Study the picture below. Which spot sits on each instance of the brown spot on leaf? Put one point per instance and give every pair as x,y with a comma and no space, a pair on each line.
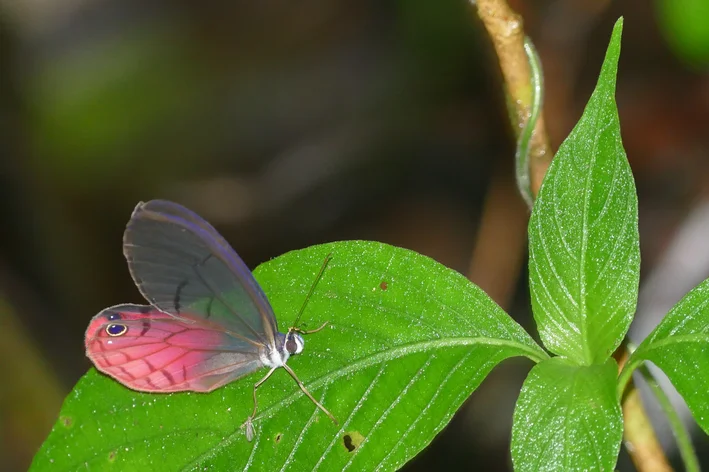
278,437
67,421
384,285
352,440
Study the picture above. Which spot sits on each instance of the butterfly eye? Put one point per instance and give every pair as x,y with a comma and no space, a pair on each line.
294,343
116,329
291,346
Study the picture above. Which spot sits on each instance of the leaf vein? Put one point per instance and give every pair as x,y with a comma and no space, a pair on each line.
299,440
346,423
423,412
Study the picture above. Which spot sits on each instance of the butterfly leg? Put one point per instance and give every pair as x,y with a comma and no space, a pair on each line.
249,425
305,391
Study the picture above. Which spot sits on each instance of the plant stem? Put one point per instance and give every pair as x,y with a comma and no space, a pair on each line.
625,377
525,136
640,440
505,29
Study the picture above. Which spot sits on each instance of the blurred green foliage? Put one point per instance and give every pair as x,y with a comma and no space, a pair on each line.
95,108
685,24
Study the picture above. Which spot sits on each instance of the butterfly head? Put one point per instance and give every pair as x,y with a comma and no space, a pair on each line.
294,342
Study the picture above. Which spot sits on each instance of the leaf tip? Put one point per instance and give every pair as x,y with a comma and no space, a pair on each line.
618,27
610,64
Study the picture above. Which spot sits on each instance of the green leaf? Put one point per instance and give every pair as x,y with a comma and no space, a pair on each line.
567,418
584,259
109,99
680,347
408,341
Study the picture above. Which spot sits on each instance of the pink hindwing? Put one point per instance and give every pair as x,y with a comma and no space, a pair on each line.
151,351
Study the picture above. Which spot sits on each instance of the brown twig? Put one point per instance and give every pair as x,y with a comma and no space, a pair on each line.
640,439
499,250
505,28
506,32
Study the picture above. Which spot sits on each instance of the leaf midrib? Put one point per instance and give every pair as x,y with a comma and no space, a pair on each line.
532,353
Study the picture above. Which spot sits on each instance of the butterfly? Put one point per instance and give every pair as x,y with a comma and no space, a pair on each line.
208,322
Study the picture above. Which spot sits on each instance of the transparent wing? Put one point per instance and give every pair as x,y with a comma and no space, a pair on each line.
183,267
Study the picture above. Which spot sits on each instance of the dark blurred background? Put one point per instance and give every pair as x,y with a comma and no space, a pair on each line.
288,124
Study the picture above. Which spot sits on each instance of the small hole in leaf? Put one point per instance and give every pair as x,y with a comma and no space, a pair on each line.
67,421
347,439
278,438
384,285
112,456
352,440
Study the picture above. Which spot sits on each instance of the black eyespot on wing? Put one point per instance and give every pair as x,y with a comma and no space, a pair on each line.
115,329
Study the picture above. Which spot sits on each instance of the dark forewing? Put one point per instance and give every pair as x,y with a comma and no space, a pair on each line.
185,268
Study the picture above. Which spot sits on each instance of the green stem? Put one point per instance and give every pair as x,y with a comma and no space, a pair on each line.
625,375
525,136
684,441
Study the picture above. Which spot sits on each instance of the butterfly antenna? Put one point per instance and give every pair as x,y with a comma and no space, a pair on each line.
312,290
